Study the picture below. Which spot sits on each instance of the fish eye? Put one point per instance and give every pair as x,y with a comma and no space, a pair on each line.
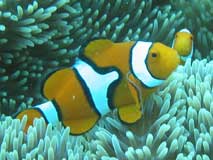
191,37
154,55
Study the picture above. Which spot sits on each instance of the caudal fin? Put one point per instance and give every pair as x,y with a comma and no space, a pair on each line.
31,115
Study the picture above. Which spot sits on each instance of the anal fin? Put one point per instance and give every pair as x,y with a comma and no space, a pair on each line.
80,126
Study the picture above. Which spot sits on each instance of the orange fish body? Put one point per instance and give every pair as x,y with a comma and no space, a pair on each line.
108,75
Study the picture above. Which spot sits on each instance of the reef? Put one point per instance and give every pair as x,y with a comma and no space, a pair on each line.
37,37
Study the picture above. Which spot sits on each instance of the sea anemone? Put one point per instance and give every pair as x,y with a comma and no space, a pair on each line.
177,124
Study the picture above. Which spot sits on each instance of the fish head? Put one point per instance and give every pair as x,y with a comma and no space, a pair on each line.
183,43
162,60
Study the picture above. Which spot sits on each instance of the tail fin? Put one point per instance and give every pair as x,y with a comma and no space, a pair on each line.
31,115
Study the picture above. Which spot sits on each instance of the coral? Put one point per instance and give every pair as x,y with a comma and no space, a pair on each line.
198,17
38,37
177,124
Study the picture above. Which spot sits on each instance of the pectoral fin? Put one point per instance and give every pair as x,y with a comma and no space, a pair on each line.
136,91
132,113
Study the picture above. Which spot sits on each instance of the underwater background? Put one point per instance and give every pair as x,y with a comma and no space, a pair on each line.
40,36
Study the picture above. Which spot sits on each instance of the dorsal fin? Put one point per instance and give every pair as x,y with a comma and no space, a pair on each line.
97,46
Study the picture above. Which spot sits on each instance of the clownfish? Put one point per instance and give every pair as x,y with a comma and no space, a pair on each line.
183,43
106,76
